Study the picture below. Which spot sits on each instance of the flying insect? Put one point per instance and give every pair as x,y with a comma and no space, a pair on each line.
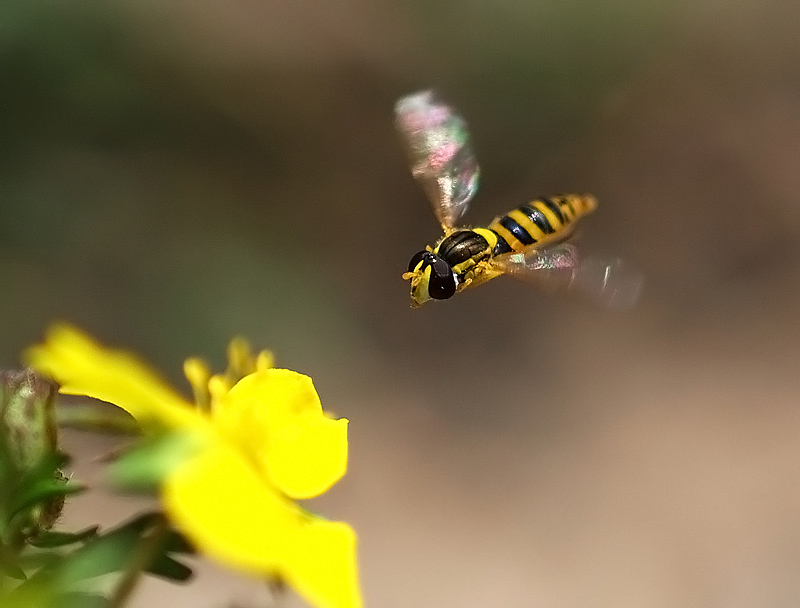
528,242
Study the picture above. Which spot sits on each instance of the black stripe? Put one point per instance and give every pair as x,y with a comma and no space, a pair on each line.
553,206
568,202
502,245
538,218
523,236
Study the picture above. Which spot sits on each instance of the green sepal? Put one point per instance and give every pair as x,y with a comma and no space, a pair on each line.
40,484
50,540
44,596
39,560
43,491
47,467
143,468
112,551
33,593
79,599
169,568
107,552
97,419
12,570
178,543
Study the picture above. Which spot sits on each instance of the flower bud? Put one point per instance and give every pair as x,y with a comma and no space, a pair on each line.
29,438
27,417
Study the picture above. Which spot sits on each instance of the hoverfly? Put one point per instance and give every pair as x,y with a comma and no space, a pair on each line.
527,243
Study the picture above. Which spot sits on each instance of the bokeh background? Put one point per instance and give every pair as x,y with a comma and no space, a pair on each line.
173,173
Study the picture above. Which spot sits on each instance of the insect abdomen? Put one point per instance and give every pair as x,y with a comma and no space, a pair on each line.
541,220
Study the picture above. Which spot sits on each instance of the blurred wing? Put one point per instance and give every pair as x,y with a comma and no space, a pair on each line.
441,159
609,281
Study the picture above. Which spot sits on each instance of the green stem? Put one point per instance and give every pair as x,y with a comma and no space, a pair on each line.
141,559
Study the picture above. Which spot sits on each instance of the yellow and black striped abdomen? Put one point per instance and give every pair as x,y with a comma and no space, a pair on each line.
543,220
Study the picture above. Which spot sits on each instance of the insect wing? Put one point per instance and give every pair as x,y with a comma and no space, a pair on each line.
609,281
440,155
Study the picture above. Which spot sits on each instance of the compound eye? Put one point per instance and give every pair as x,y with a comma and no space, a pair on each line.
442,284
418,257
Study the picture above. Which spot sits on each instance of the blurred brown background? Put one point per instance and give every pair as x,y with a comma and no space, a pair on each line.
173,173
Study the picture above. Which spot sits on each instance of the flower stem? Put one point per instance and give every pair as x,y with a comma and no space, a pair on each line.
140,560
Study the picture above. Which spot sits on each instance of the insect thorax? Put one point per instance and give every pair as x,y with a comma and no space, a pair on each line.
463,249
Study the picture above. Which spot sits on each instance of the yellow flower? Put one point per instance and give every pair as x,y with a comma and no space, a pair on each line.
263,441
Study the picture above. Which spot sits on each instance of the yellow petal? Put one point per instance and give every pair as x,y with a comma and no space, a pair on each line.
307,458
83,367
275,416
222,505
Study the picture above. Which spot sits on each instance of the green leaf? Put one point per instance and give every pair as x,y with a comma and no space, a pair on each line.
47,540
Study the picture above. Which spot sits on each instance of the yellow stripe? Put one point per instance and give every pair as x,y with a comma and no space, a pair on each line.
524,221
551,217
490,236
508,236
